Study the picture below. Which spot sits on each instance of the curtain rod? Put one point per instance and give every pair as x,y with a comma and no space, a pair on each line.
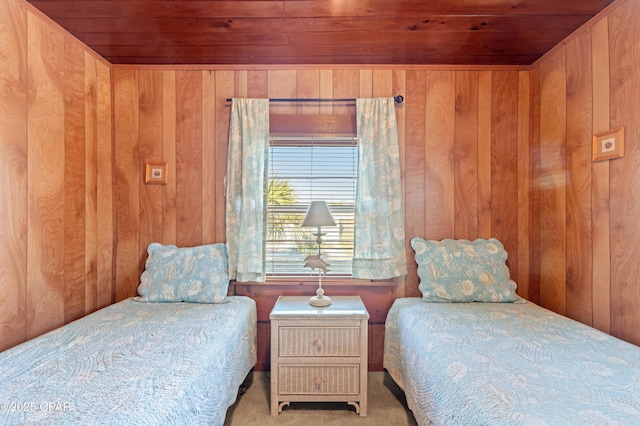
398,99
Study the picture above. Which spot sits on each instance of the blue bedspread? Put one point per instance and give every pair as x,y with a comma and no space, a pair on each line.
133,363
508,364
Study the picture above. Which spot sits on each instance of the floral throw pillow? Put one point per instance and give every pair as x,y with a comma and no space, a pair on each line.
192,274
464,271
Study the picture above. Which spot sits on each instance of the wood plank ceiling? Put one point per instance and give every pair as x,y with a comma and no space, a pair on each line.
479,32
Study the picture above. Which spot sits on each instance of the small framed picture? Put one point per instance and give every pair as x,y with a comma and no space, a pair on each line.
608,145
156,173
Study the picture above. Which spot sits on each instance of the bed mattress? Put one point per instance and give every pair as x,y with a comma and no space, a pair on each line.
508,364
133,363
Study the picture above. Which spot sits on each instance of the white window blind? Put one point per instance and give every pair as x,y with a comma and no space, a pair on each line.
301,170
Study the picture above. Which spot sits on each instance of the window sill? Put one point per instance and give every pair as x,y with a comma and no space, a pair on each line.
326,282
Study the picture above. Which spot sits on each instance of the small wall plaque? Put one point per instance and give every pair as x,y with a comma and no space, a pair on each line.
156,173
608,145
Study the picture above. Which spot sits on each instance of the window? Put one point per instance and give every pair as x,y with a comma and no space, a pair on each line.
301,170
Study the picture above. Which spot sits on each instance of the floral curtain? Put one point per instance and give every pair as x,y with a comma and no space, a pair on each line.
245,188
379,250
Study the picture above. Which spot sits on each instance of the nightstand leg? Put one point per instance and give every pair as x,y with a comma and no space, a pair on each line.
275,410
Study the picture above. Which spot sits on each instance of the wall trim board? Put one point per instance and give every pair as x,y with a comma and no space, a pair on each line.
357,67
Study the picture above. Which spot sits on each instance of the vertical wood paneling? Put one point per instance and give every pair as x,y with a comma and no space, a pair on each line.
624,38
240,83
308,87
504,162
518,119
13,173
105,185
466,155
151,203
439,161
382,83
485,79
366,83
579,132
257,84
127,182
45,127
91,184
282,84
534,273
74,183
326,90
208,157
553,183
169,218
414,177
346,84
188,158
596,227
399,86
224,90
53,119
37,258
524,182
601,291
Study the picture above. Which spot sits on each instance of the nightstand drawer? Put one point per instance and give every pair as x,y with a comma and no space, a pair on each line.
323,379
319,341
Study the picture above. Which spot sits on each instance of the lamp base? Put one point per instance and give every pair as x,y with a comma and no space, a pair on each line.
320,299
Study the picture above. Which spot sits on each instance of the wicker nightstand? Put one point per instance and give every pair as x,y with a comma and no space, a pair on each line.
319,353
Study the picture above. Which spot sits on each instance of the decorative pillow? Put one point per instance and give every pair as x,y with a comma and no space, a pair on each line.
464,271
192,274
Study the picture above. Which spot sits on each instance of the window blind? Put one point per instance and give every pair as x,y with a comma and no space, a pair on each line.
301,170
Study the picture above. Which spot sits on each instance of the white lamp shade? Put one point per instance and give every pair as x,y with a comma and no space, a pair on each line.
318,215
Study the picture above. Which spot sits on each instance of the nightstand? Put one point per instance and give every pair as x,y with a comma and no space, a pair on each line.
319,353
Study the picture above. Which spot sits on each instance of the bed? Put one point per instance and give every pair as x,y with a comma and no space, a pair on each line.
138,361
479,357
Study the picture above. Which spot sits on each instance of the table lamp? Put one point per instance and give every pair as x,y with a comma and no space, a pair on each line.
318,215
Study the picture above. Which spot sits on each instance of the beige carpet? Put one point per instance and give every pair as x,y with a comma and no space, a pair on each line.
387,407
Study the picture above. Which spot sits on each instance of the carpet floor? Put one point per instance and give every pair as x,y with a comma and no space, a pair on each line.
386,406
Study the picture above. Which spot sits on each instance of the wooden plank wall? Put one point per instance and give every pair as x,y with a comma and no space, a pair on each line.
587,215
485,152
56,218
465,159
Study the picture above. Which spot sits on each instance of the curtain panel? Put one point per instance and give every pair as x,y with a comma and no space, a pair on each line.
246,188
379,248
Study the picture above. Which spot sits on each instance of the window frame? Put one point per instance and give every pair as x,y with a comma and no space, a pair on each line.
320,140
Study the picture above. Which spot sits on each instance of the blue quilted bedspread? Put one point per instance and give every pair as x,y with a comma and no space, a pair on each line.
509,364
133,363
